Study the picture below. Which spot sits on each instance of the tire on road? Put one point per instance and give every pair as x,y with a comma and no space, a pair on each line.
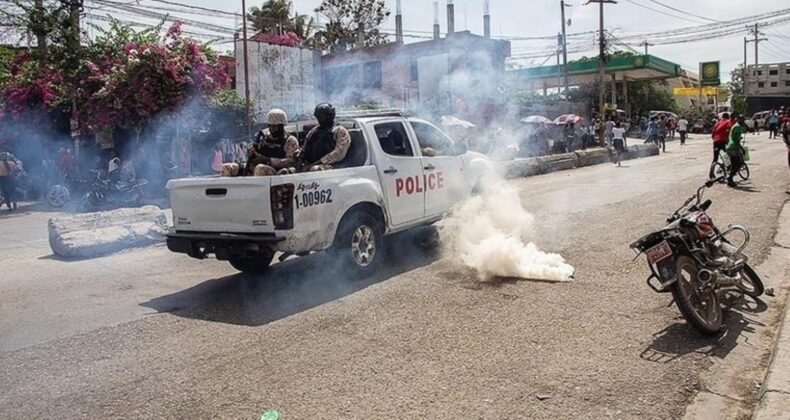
258,264
359,243
684,291
749,282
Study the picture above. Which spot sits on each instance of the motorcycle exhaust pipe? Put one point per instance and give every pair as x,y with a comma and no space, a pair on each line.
706,276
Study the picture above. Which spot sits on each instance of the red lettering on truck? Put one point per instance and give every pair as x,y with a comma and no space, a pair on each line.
413,184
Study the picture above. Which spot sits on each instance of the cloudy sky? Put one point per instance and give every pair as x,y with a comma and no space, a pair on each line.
626,20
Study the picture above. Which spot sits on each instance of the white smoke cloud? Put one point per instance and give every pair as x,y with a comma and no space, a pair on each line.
491,232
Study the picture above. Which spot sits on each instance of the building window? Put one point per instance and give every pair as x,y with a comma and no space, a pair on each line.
415,71
787,71
372,75
759,72
773,72
774,84
340,79
787,82
760,84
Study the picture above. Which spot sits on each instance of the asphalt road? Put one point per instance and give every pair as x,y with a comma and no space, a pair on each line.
146,333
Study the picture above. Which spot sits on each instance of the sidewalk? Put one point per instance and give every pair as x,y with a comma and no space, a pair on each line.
775,399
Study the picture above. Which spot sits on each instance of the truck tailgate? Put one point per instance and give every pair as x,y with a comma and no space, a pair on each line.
221,204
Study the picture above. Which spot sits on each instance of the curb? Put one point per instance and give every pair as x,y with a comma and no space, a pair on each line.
774,397
524,167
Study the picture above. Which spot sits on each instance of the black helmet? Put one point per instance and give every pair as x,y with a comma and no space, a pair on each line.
324,112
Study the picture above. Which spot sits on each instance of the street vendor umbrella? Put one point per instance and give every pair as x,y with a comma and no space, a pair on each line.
536,119
450,121
565,118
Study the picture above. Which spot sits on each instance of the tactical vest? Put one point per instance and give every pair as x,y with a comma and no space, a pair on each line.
319,143
271,147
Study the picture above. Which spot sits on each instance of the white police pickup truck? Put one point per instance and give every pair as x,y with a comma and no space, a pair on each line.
386,184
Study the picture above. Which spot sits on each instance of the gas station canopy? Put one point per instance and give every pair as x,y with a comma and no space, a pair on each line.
639,67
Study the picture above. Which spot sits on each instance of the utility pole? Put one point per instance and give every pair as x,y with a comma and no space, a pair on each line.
246,67
756,41
646,44
41,36
743,72
602,53
564,47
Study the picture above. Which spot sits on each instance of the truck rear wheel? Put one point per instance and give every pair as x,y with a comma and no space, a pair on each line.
257,264
359,243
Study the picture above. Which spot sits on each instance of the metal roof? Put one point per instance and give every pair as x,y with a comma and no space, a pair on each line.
639,67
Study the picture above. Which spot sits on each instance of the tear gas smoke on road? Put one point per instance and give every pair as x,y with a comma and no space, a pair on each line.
491,233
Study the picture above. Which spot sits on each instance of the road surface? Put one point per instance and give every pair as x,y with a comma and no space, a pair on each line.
146,333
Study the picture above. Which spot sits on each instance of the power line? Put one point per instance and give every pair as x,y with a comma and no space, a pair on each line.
682,11
662,12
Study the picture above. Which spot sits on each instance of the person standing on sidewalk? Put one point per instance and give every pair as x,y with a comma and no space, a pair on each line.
9,165
720,136
683,127
735,149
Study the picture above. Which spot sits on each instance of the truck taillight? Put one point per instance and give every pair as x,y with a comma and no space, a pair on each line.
282,206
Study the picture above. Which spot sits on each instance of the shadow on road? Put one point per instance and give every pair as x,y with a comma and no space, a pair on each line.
292,286
680,339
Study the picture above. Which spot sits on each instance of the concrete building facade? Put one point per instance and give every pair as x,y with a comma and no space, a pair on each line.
768,80
459,74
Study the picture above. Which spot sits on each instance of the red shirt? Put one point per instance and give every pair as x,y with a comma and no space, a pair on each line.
721,131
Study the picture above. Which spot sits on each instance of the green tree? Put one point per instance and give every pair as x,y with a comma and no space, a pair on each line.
276,17
273,17
345,17
736,80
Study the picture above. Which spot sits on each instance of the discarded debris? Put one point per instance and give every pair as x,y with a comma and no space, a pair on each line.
769,291
270,415
542,397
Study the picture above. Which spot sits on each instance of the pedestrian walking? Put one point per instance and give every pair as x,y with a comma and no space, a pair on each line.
651,132
773,125
9,165
662,132
720,136
618,142
608,127
735,149
671,127
683,126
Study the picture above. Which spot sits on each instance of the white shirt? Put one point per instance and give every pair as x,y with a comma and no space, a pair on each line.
683,125
618,133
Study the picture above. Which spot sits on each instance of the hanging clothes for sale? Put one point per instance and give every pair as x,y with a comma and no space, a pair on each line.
216,161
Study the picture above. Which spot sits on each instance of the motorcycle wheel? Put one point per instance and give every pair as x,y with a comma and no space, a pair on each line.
749,282
701,309
744,172
58,195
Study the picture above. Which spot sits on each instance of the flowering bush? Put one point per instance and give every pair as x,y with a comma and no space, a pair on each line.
288,39
31,85
125,79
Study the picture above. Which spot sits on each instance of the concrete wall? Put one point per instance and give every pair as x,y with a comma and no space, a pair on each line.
280,77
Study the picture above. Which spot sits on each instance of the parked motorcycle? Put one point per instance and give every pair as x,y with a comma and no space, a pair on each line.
691,258
105,192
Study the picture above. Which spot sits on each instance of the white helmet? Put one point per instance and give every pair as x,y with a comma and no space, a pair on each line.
276,116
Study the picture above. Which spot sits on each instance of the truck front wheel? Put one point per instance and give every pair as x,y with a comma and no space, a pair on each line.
358,244
257,264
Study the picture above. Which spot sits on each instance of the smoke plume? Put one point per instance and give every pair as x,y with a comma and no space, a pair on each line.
491,233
